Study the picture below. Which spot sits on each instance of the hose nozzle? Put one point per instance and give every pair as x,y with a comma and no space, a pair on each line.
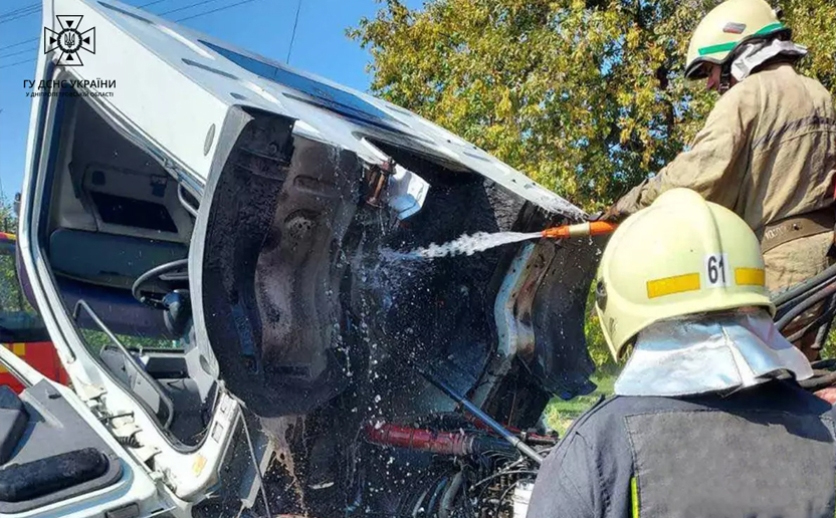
590,228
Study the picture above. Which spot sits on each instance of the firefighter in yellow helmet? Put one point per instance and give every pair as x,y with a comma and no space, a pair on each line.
768,148
708,418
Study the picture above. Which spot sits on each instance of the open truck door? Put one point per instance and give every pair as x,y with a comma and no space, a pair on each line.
207,230
58,459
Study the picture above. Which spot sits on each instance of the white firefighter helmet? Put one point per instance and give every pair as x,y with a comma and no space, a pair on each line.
725,28
680,256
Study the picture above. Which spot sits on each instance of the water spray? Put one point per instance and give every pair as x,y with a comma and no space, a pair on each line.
481,241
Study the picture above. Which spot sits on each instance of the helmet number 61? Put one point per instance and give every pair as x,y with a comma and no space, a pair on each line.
717,270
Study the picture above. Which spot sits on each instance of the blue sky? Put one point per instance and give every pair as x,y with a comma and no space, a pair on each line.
262,26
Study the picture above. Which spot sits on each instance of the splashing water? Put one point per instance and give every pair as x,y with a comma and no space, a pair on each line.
466,244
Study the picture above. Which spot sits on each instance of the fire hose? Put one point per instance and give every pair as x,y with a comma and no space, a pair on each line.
589,228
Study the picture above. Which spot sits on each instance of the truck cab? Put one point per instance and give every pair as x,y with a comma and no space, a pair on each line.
218,246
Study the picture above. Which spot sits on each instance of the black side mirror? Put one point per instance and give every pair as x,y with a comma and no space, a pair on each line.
178,311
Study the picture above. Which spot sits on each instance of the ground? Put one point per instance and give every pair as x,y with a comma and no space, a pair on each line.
560,413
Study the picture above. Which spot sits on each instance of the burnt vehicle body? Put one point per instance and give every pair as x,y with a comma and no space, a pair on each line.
218,252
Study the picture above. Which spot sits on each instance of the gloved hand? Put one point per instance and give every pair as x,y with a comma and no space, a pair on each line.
611,215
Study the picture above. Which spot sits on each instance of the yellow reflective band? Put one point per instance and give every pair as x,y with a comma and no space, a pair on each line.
749,276
671,285
3,370
634,497
198,465
19,350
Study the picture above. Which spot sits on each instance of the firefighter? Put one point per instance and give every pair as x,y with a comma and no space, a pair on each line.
707,417
768,148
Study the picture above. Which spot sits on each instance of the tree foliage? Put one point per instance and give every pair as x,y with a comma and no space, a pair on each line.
586,97
11,297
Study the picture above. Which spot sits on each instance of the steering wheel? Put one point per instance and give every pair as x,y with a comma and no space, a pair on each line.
166,277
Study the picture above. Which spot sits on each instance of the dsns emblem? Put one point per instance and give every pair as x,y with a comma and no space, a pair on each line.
70,41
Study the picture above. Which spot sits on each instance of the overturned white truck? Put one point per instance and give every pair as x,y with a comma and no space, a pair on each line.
208,235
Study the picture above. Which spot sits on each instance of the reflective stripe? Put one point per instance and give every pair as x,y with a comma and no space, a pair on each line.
198,465
634,497
672,285
713,49
19,350
749,277
725,47
771,27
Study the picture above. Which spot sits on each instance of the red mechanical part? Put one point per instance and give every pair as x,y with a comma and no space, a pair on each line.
445,443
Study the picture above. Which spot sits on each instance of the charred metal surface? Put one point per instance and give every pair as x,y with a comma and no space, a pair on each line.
561,363
298,276
432,312
312,312
270,256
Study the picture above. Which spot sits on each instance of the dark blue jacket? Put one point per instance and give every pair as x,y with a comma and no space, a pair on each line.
764,452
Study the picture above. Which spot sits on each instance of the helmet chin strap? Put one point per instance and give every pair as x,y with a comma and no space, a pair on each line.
725,79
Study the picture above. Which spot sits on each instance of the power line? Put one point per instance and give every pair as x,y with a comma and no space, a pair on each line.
293,33
151,3
36,7
18,44
186,7
17,63
214,10
11,18
18,10
18,53
24,42
224,8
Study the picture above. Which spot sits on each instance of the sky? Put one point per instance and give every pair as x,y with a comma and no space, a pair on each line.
261,26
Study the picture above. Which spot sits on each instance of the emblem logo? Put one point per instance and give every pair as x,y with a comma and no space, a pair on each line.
70,41
734,28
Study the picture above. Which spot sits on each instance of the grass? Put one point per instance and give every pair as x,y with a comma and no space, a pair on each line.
560,413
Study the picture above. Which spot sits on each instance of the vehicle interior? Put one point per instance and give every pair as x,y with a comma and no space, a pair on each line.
117,242
48,453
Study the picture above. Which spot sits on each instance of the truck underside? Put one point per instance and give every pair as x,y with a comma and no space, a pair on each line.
242,247
309,315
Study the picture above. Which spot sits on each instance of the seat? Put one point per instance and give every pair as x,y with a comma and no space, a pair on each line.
108,259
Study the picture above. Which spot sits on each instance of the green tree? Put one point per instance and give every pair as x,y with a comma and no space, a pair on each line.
8,216
586,97
11,296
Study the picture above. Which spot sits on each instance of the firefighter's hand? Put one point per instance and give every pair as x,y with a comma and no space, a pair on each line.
828,394
611,215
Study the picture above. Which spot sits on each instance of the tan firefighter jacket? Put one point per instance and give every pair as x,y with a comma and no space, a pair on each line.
767,152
